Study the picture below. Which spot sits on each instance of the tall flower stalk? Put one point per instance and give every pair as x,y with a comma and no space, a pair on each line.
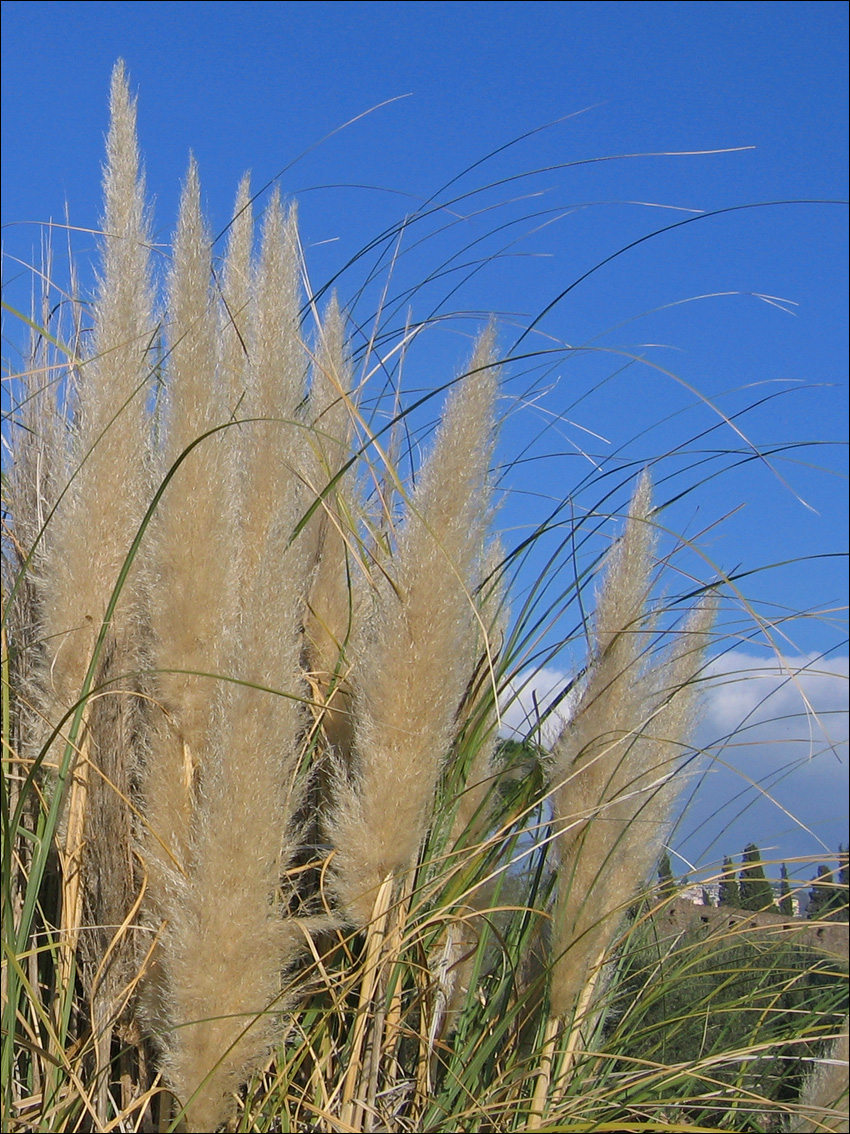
413,661
614,779
92,638
231,583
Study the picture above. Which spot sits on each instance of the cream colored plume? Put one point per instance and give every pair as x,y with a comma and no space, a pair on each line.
614,764
412,669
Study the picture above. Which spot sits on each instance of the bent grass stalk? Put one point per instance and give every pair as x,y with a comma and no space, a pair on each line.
252,742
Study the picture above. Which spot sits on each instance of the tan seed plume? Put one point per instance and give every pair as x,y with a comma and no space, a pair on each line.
85,547
412,670
615,761
226,941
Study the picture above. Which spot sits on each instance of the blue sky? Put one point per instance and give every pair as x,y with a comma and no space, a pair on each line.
668,355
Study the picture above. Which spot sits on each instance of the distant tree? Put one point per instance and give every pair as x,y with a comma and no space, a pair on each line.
666,882
729,893
786,905
706,897
756,891
829,893
842,906
820,894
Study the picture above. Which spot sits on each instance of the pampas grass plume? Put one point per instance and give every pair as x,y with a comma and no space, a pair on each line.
412,669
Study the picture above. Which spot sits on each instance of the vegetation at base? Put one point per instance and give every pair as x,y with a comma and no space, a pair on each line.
690,1001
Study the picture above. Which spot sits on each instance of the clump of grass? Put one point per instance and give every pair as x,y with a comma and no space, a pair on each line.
269,864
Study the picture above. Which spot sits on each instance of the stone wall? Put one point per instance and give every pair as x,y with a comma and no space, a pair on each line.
830,937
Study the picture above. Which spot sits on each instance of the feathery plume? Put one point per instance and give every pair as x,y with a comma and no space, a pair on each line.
614,774
93,527
615,760
37,467
193,531
235,309
227,940
186,772
412,671
85,547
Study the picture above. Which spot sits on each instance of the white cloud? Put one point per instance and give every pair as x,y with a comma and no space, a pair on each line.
775,734
805,696
529,696
748,701
797,703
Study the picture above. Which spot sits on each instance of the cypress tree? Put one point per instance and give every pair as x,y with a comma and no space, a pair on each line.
828,896
820,895
729,893
756,891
